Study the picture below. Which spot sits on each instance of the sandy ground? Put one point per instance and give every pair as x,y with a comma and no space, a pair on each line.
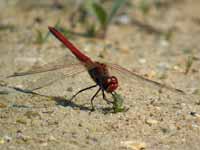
154,120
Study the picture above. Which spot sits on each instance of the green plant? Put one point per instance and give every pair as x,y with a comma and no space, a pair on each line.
65,31
105,18
41,38
7,27
118,103
189,64
144,6
89,8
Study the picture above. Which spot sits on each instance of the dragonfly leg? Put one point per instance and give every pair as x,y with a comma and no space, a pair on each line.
92,99
82,91
105,98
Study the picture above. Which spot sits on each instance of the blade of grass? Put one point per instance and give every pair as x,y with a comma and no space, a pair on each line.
48,33
117,4
144,6
39,38
100,13
189,64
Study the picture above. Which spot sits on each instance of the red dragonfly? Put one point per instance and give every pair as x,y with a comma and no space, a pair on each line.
99,72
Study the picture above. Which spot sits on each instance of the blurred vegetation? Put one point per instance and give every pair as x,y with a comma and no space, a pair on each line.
90,9
94,17
189,63
9,27
144,6
42,38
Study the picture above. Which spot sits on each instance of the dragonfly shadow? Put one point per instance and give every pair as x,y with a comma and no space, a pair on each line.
68,103
59,100
62,101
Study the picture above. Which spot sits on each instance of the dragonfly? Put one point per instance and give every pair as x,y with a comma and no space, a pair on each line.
99,72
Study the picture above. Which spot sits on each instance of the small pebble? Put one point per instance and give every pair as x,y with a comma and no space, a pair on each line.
52,138
195,114
151,74
123,19
164,43
70,89
134,145
32,114
177,68
21,121
2,105
19,134
44,144
142,60
2,141
151,122
7,138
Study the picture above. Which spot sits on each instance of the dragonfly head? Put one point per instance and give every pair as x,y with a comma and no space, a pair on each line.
111,84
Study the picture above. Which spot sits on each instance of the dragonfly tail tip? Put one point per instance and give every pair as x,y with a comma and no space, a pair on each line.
51,28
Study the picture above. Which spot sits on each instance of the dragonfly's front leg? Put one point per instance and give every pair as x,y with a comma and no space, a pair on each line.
82,91
105,98
92,99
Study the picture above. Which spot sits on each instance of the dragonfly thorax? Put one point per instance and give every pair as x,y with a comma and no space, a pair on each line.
100,75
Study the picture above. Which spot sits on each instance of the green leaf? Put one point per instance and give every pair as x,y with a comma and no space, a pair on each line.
117,4
39,38
100,13
118,103
144,6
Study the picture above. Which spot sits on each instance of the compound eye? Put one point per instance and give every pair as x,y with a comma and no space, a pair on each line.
112,84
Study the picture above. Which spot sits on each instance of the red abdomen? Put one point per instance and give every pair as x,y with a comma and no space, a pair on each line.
82,57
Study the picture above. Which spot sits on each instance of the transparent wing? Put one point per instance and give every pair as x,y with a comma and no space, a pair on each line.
137,77
60,63
54,77
51,72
